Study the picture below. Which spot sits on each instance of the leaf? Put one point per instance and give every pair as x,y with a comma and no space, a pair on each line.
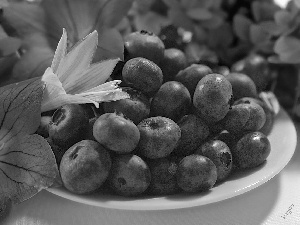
177,15
221,36
27,164
288,49
189,4
241,26
196,53
32,64
150,21
6,65
283,17
113,12
214,22
263,11
3,34
28,18
270,27
3,3
200,34
286,21
110,45
297,3
199,14
40,26
9,46
8,55
80,18
258,34
180,19
174,4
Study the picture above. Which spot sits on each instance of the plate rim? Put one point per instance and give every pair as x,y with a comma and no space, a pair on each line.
136,203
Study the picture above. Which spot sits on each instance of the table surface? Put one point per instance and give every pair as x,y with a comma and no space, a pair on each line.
275,202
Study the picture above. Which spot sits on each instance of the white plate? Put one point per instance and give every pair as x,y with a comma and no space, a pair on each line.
283,140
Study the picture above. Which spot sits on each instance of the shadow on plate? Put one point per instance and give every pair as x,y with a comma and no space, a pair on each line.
238,174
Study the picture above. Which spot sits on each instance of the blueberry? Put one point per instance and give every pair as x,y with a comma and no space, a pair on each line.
251,150
68,125
116,133
43,129
143,75
129,176
242,85
173,100
159,137
256,67
196,173
136,107
220,154
193,132
144,44
212,97
244,118
191,75
174,60
85,166
163,176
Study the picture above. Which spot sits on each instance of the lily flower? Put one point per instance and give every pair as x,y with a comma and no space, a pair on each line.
72,79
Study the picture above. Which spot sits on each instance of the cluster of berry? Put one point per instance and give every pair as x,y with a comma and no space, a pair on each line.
184,127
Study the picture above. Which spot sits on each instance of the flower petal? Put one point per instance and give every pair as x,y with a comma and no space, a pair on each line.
64,99
78,59
53,84
106,92
60,52
93,76
108,86
104,96
53,89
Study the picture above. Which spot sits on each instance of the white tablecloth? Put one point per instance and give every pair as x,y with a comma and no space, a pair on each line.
275,202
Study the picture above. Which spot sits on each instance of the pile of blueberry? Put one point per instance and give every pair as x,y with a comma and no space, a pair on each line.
184,127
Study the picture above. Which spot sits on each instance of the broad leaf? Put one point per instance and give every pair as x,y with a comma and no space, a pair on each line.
8,54
26,18
150,21
221,36
180,19
110,45
80,18
174,4
199,14
46,21
199,4
214,22
258,34
271,27
9,46
263,11
3,3
27,164
178,16
283,18
241,26
288,49
32,64
297,3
